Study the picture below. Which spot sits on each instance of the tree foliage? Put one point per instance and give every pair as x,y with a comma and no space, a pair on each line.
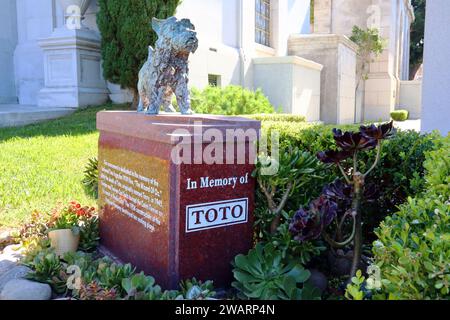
126,32
417,34
370,45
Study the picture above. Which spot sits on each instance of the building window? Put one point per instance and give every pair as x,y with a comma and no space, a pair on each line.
263,22
214,80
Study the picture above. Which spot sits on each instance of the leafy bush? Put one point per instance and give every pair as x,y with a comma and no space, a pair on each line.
102,279
400,115
126,35
413,249
89,234
262,275
194,289
81,219
277,117
298,174
90,180
93,291
48,269
141,287
399,175
341,201
231,100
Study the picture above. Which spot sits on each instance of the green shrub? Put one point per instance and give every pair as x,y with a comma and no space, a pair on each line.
126,34
400,115
90,180
47,268
262,275
193,289
277,117
231,100
413,249
399,175
141,287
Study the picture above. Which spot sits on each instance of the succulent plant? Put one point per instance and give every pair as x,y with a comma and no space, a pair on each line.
340,201
308,224
383,131
332,156
262,275
353,141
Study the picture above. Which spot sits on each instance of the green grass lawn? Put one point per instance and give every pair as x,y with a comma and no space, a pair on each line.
42,164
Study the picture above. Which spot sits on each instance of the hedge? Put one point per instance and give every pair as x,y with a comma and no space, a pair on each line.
413,249
400,115
399,175
231,100
277,117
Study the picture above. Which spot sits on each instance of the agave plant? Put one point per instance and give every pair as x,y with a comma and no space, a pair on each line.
341,200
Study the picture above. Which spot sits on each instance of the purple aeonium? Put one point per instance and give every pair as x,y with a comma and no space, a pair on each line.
332,156
338,190
383,131
353,141
309,224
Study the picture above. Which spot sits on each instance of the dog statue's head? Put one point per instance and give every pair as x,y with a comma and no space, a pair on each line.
179,35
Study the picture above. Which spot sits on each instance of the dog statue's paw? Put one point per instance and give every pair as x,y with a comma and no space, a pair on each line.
188,111
152,111
170,108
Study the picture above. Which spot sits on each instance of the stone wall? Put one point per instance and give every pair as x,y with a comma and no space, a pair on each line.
393,18
291,83
337,54
411,98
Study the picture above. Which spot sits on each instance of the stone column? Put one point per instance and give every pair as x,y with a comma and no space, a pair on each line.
337,54
436,80
8,42
72,63
34,21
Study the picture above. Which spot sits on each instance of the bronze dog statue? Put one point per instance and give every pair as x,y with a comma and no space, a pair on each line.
166,70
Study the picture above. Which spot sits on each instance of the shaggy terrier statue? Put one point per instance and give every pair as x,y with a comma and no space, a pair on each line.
166,71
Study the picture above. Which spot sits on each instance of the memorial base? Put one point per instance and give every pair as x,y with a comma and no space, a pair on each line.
173,220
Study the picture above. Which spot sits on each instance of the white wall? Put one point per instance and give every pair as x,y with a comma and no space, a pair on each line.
34,21
216,23
411,98
436,79
291,83
227,39
8,41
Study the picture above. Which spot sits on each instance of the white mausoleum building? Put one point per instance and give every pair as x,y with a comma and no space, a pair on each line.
304,68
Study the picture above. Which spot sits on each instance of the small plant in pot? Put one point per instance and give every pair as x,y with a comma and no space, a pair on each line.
65,225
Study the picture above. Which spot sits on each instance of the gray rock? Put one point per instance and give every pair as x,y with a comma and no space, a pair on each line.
17,272
5,237
6,265
19,289
12,253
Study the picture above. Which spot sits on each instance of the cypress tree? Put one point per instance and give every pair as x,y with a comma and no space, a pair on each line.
126,32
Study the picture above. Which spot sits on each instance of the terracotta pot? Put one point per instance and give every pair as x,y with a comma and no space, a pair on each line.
64,241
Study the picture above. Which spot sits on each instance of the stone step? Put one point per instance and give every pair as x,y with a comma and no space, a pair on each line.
15,115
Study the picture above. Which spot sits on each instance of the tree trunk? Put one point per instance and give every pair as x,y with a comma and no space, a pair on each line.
135,102
356,207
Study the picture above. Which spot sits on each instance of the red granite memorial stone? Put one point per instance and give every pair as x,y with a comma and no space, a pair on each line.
176,218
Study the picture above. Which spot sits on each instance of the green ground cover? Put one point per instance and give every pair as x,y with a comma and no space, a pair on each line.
42,164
